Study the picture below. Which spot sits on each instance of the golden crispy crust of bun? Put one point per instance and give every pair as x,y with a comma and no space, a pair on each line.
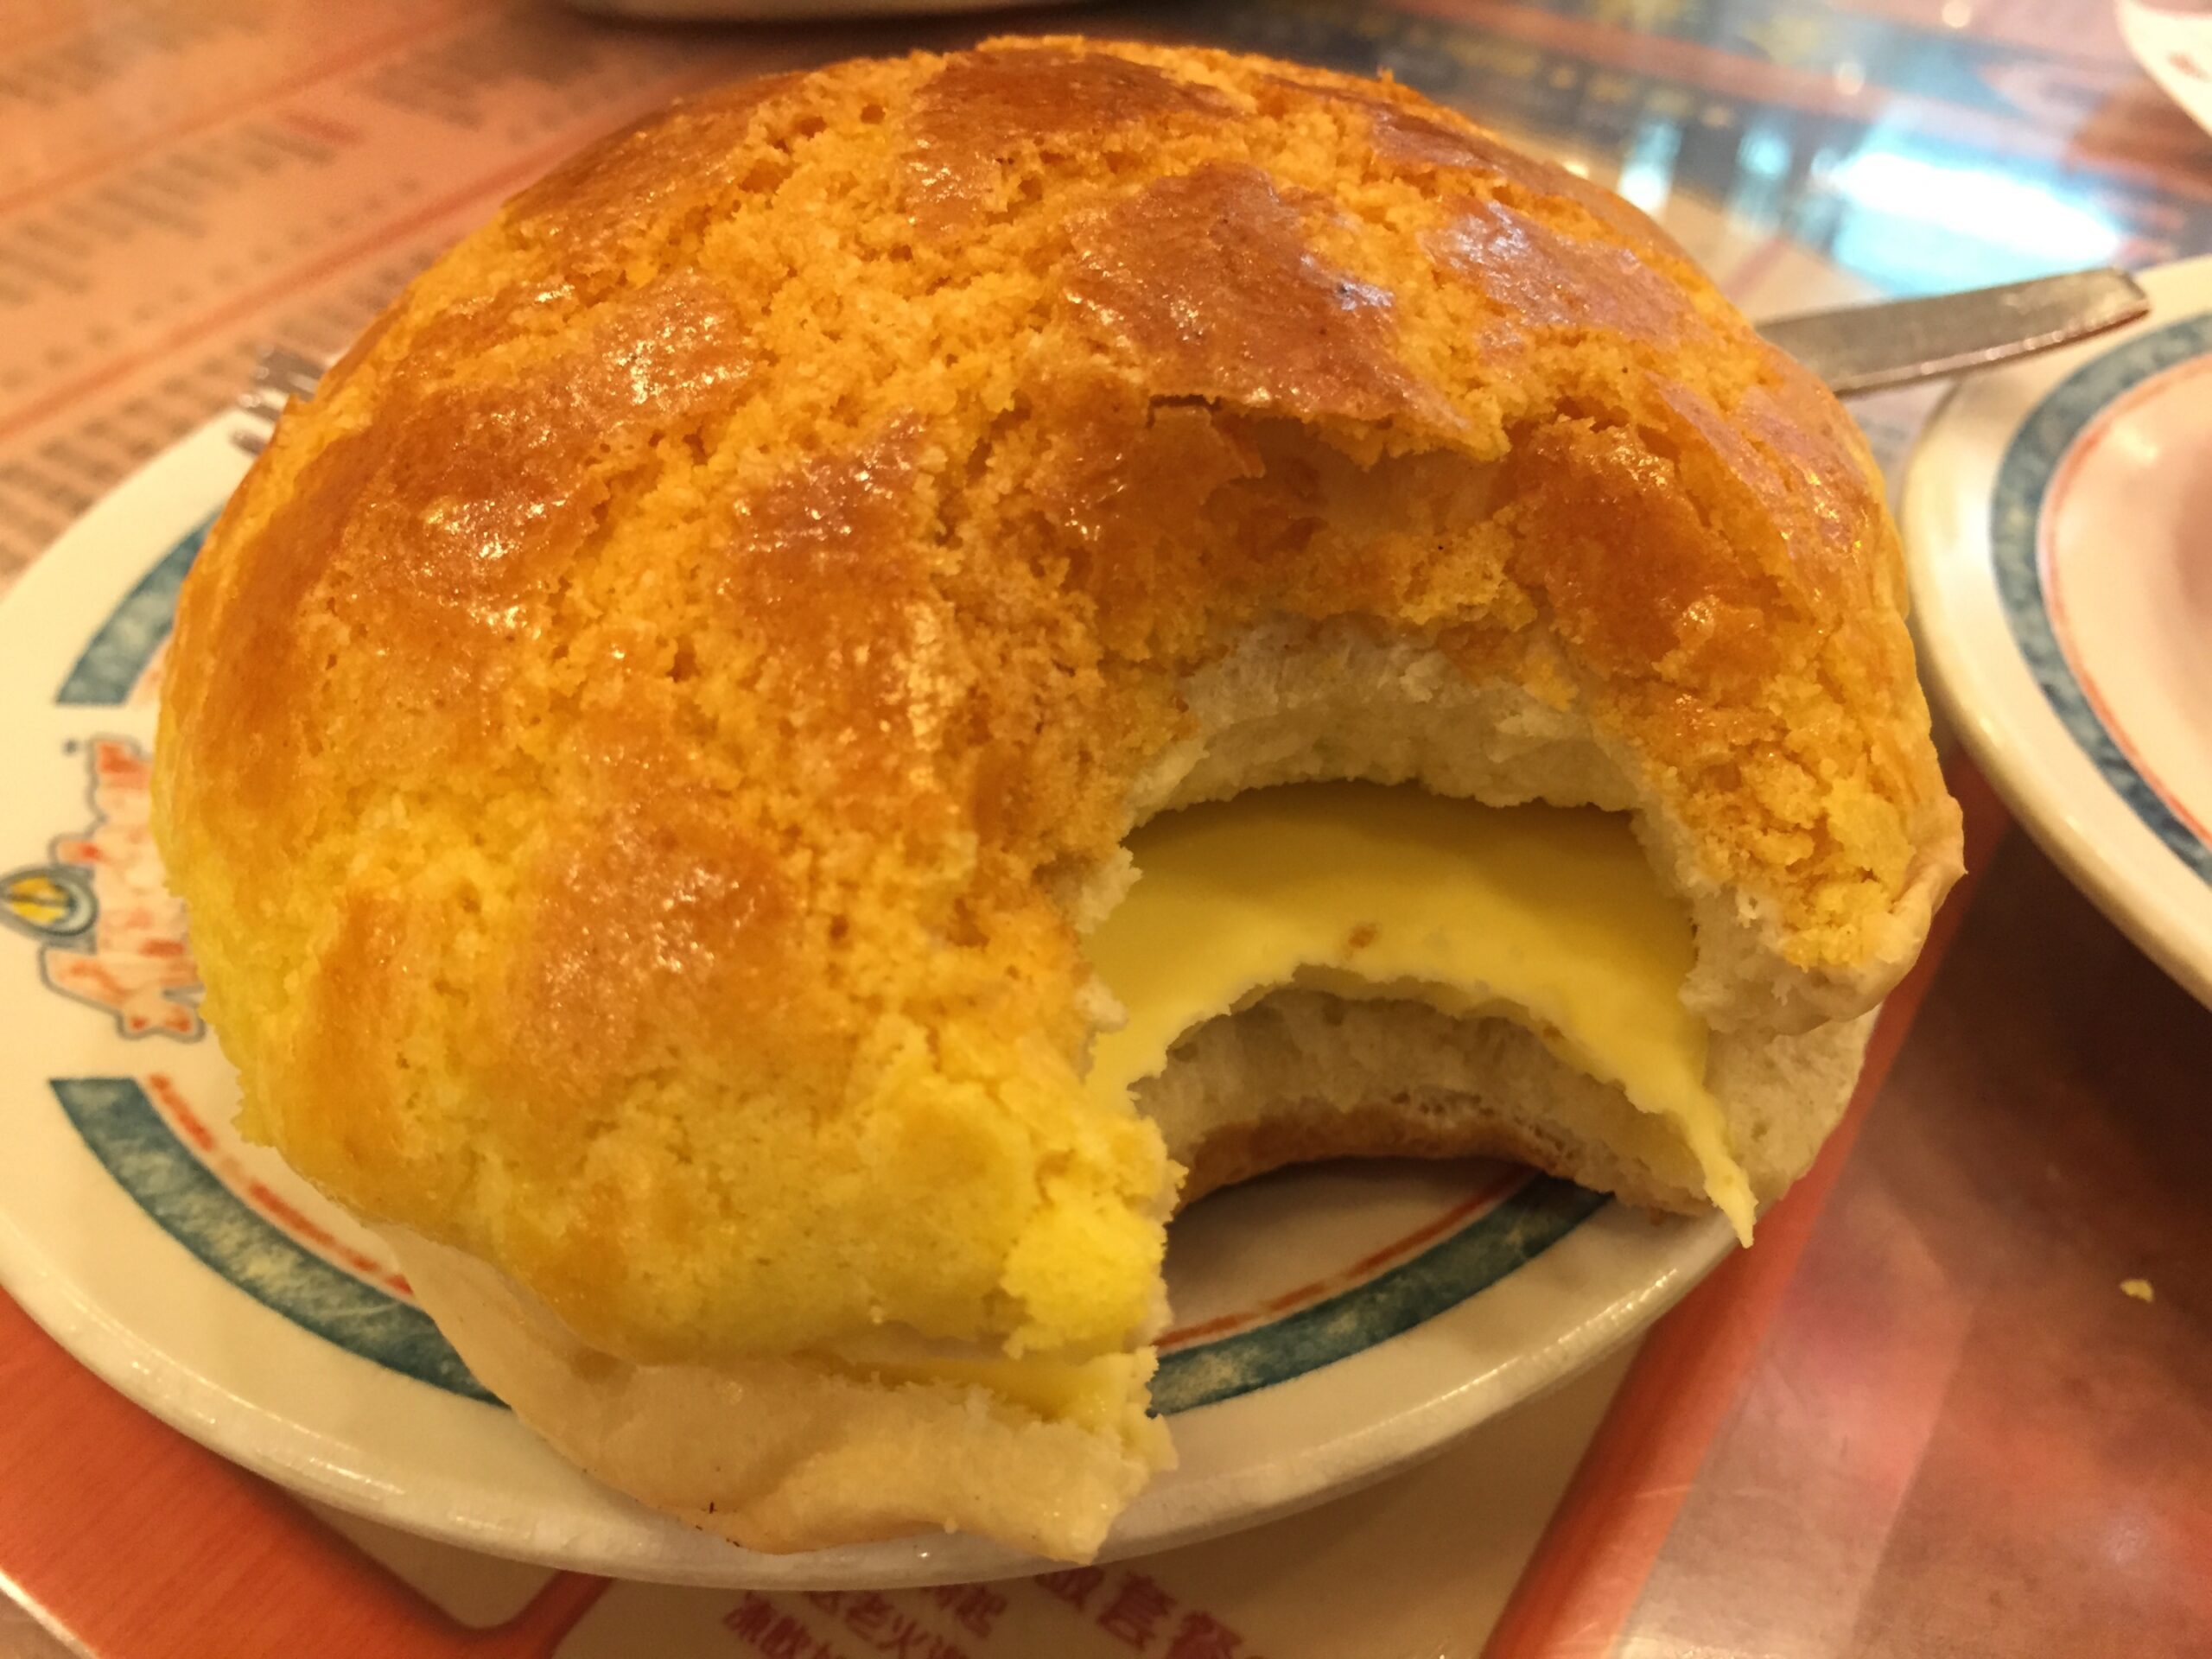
629,743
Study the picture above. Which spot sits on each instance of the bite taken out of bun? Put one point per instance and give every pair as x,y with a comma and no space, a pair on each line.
652,750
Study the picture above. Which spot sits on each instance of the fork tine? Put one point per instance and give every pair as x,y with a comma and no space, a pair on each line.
280,374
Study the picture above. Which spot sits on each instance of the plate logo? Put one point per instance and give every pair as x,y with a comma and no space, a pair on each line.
110,933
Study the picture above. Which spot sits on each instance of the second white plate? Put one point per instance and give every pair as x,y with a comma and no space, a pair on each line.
2058,527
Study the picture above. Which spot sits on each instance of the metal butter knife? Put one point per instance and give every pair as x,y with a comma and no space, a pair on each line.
1871,348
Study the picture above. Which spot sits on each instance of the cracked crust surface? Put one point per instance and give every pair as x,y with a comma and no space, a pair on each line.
628,743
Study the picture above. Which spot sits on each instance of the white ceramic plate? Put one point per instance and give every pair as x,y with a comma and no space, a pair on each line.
1335,1324
2059,526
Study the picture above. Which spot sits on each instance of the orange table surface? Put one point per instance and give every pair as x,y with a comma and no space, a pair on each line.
1920,1418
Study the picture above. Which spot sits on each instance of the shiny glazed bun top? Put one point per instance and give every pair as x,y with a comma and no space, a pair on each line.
640,746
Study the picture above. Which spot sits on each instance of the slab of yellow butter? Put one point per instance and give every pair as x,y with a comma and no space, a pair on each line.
1547,915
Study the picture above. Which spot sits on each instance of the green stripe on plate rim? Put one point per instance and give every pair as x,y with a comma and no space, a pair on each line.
124,644
135,1145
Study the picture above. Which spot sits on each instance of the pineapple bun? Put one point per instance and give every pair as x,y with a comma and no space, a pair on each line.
652,751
